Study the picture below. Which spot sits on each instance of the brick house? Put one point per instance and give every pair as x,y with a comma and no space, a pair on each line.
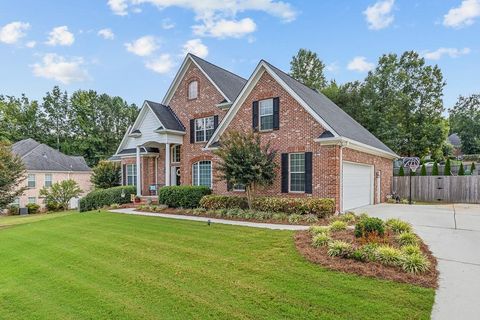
322,151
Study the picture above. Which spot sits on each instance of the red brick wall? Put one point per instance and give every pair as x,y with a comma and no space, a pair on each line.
147,168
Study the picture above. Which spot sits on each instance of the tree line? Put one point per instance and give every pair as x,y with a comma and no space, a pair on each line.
401,102
84,123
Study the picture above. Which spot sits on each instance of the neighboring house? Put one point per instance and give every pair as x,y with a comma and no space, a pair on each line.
46,166
322,151
456,142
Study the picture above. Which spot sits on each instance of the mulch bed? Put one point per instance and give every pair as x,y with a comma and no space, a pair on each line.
319,255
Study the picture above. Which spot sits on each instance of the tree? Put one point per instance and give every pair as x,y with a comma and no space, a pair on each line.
349,97
435,169
20,119
465,121
472,168
447,171
106,174
307,68
244,161
12,174
56,117
461,170
401,172
60,193
423,171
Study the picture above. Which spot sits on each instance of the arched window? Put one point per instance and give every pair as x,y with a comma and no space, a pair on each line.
202,173
193,90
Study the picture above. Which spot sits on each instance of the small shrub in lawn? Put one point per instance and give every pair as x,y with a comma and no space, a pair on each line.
348,217
320,240
314,230
411,249
294,218
182,196
398,226
367,227
105,197
338,225
389,256
215,201
407,238
415,263
13,210
338,248
33,208
280,216
310,218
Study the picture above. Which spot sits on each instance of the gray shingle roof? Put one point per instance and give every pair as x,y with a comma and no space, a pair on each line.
229,83
37,156
332,114
166,116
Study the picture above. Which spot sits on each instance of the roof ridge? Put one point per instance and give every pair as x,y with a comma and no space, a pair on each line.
232,73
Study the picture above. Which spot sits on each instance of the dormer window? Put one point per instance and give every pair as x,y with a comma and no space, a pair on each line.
193,90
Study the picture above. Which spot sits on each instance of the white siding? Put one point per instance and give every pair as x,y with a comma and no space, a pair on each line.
147,125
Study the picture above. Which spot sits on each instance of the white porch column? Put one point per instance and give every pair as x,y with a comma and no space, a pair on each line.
167,164
139,173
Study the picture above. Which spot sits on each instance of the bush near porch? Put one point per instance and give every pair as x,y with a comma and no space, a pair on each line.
105,197
182,196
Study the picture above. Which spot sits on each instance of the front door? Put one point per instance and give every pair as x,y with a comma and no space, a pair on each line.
175,176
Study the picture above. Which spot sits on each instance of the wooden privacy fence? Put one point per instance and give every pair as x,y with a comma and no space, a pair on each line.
460,189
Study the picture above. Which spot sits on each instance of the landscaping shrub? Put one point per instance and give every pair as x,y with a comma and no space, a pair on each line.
415,263
33,208
411,249
368,227
388,255
398,226
105,197
338,225
348,217
321,207
214,202
310,218
233,213
260,215
314,230
182,196
52,206
359,255
407,238
339,248
320,240
369,251
294,218
13,210
279,216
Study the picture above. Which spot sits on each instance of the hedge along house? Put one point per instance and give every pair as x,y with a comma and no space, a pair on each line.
322,151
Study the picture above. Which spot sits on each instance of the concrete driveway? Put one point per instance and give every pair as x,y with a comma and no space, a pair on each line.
453,235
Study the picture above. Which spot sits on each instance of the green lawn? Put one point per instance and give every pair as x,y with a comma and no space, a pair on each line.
104,265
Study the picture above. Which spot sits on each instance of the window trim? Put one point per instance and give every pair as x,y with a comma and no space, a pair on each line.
290,173
34,200
133,175
45,180
34,181
198,173
236,189
260,116
204,128
173,153
196,89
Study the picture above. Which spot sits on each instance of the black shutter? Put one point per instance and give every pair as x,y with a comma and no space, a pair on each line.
124,174
192,131
276,113
255,115
285,172
308,172
215,122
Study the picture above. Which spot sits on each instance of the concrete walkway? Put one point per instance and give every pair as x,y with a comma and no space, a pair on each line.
272,226
453,234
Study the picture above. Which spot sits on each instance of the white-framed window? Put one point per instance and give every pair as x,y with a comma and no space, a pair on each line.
31,181
193,89
239,187
202,173
297,172
176,154
16,201
265,108
48,180
204,128
131,171
32,200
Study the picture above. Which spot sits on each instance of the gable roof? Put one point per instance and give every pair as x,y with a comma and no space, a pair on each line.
166,116
327,113
227,83
38,156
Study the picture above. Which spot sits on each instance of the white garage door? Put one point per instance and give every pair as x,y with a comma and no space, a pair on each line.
357,185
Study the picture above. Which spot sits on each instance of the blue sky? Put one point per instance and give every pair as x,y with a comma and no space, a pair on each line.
132,48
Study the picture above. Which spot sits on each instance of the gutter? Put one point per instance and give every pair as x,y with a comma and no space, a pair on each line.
355,145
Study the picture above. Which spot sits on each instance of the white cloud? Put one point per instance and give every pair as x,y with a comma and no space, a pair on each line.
451,52
464,15
167,24
226,28
119,7
60,36
332,67
379,15
360,64
106,34
60,69
143,46
14,31
162,64
31,44
196,47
